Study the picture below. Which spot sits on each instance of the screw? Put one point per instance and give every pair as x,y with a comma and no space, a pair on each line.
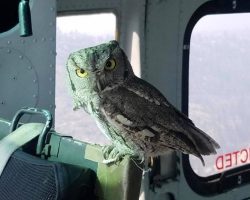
239,179
234,4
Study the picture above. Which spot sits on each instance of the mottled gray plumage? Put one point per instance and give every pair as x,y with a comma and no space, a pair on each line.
131,112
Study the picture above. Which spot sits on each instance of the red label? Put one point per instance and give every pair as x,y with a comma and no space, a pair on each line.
232,159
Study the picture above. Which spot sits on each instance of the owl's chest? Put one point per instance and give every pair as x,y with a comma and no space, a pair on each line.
104,125
92,103
119,137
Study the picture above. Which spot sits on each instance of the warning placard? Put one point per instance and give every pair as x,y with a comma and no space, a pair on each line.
232,159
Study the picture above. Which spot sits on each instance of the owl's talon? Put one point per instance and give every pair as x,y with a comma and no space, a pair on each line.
112,155
142,160
107,150
114,160
108,161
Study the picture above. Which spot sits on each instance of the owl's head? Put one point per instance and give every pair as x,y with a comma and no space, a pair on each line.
93,69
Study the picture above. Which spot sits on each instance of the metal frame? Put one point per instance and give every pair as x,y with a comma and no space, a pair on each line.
27,68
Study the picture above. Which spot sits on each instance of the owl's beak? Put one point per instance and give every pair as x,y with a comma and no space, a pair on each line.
95,70
99,87
100,80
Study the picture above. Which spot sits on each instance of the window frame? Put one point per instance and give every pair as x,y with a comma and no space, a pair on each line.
224,181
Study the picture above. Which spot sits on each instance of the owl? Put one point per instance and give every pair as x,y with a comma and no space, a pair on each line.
132,113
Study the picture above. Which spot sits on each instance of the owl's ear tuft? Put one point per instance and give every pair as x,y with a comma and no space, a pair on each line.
114,42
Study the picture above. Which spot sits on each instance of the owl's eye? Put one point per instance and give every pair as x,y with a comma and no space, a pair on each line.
81,73
110,64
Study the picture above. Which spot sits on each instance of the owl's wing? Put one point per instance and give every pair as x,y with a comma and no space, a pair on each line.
140,108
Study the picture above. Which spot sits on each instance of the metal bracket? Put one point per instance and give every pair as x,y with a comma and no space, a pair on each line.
44,136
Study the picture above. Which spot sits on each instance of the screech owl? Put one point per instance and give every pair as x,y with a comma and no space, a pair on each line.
133,114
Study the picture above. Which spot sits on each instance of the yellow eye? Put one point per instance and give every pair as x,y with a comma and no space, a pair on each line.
110,64
81,73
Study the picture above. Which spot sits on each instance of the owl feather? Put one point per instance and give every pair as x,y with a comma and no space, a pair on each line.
132,113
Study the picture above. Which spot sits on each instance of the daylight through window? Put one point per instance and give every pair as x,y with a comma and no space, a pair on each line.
219,94
74,33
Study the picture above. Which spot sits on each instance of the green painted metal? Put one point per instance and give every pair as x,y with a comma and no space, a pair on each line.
47,126
24,18
117,181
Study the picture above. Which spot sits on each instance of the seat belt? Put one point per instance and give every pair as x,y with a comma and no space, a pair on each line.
22,135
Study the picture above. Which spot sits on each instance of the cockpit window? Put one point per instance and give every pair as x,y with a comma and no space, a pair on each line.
76,32
219,93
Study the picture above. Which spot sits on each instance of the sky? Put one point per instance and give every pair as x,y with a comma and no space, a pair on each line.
94,24
224,22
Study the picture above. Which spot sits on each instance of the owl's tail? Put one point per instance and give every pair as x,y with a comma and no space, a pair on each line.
204,144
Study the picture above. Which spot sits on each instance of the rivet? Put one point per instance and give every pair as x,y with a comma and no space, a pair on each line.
21,57
52,8
234,4
35,81
52,52
52,39
239,179
185,47
35,40
51,65
50,79
29,67
8,51
34,96
52,106
43,39
9,42
50,92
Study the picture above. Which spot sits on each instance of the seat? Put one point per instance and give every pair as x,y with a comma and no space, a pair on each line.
29,177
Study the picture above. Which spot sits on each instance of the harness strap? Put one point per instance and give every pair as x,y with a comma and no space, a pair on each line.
16,139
